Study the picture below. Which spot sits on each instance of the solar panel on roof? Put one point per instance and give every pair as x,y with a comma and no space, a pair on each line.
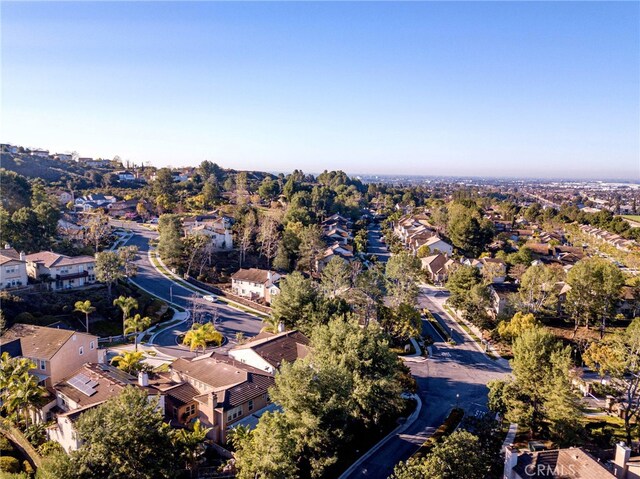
82,384
92,383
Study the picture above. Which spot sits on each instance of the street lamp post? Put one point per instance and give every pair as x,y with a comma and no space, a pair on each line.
457,400
171,292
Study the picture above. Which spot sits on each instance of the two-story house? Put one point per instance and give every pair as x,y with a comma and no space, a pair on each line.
221,392
87,387
256,284
64,272
13,268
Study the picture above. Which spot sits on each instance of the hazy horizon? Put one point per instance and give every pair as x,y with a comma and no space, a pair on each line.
494,90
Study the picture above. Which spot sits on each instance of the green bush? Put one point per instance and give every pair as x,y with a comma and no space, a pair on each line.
26,467
50,447
6,448
14,475
9,464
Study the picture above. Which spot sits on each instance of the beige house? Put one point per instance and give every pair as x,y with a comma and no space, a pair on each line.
13,268
64,272
221,392
88,387
56,352
256,284
268,351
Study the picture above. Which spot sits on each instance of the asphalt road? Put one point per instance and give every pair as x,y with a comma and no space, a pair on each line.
454,375
375,245
230,320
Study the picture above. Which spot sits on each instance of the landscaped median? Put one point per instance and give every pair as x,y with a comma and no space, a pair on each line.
449,425
438,327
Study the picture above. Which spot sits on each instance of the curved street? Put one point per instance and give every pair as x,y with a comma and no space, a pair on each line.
230,320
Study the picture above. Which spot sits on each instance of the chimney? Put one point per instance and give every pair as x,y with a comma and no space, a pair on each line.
22,256
281,327
143,379
510,461
7,246
623,453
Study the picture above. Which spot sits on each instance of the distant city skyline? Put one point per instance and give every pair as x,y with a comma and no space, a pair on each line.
496,89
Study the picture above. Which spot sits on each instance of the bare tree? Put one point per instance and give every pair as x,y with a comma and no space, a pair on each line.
96,229
245,241
268,237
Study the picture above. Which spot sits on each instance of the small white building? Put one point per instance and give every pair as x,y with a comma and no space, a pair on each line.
125,175
256,284
40,153
13,268
65,272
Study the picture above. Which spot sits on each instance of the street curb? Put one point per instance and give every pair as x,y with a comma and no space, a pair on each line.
398,430
185,284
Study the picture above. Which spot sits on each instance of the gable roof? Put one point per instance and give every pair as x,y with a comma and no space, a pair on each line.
9,254
37,342
434,263
253,275
276,348
50,259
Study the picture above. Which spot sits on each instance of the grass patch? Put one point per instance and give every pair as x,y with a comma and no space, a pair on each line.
438,327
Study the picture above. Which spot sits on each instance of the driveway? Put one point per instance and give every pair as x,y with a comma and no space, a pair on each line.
454,375
230,320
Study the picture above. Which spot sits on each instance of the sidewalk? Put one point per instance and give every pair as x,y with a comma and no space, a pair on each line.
185,284
397,431
511,436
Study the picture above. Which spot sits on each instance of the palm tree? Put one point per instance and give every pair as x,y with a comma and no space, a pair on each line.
195,338
191,443
86,308
19,390
126,304
136,325
271,325
200,335
129,361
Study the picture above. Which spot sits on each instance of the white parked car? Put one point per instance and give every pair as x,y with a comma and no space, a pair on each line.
210,298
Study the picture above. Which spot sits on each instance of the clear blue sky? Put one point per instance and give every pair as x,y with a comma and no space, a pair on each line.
496,88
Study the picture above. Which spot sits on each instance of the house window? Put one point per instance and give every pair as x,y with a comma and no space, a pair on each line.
43,364
234,413
250,404
81,351
92,345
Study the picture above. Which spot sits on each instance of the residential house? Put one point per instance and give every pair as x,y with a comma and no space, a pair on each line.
571,463
497,267
256,284
62,156
62,196
13,268
64,272
223,391
55,352
218,229
97,163
125,175
6,148
336,250
437,267
90,202
40,153
89,386
438,245
68,229
500,297
268,351
123,208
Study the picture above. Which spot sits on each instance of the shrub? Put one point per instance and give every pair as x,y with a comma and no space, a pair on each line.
9,464
6,448
27,468
50,447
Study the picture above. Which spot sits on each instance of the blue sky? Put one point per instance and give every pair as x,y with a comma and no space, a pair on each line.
496,88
